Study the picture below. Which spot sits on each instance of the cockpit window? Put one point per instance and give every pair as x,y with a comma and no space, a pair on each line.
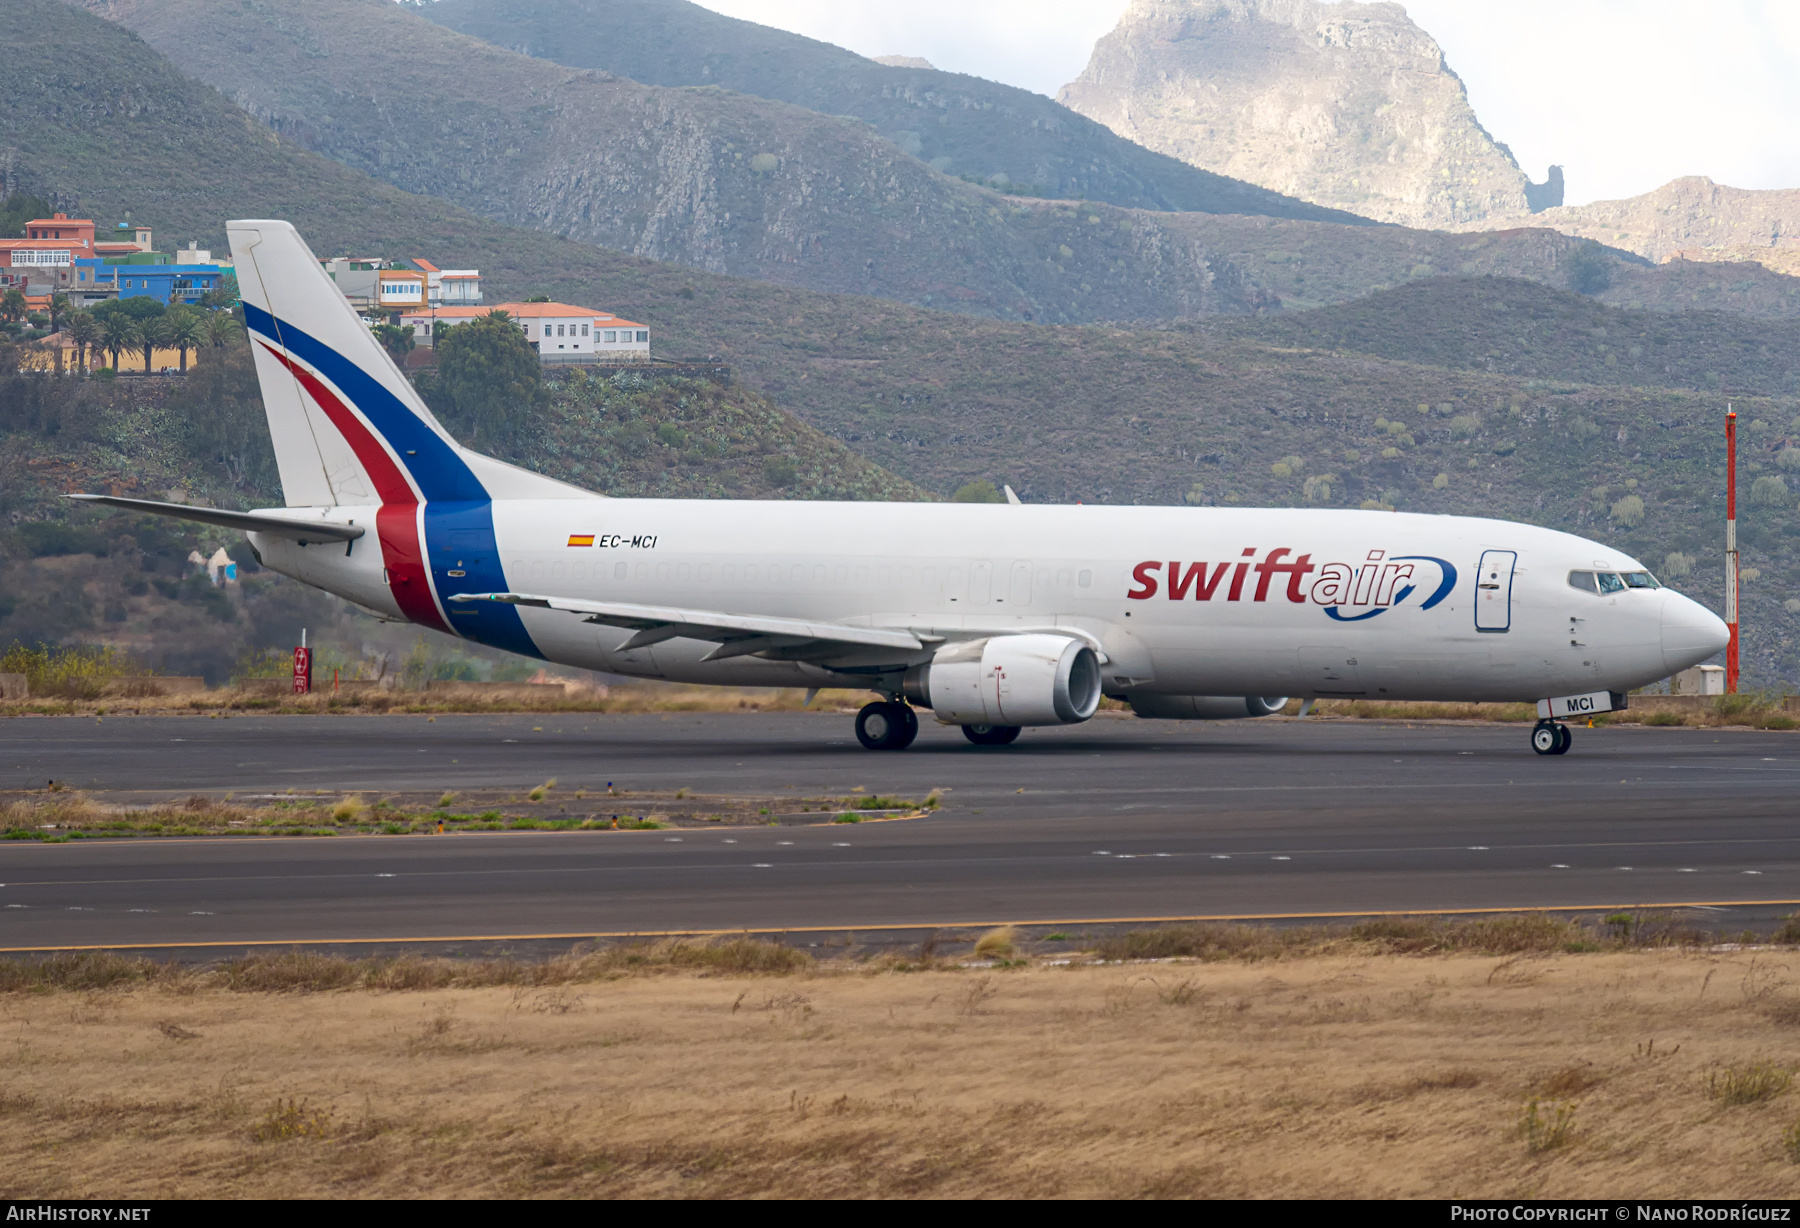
1640,579
1583,580
1609,583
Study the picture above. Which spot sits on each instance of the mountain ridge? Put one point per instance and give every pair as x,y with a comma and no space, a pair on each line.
1006,137
1346,104
1689,218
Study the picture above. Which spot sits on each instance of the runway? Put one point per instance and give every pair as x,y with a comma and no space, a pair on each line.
1116,819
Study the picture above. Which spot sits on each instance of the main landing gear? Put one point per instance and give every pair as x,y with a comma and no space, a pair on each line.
1550,738
887,726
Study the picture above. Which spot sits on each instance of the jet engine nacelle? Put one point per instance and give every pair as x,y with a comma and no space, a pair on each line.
1009,680
1205,707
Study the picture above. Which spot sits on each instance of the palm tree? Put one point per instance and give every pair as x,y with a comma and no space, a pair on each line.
221,329
152,334
84,331
118,332
59,304
186,332
12,304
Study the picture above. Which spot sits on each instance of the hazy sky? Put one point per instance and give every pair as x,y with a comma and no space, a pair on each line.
1625,94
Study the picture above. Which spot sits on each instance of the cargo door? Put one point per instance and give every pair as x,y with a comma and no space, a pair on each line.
1493,590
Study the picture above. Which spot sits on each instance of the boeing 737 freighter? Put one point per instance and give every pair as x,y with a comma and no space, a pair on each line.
993,617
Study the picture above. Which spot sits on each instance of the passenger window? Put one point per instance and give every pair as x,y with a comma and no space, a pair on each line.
619,570
1640,579
1583,580
1609,583
1085,579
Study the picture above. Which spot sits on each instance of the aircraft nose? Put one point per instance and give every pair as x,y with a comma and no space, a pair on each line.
1690,632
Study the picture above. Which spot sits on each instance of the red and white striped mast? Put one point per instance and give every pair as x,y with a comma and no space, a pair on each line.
1731,551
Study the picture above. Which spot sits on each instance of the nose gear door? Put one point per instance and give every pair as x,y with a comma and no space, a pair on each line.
1493,590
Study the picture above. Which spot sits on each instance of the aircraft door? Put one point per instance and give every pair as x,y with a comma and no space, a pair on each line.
1493,590
981,583
1018,591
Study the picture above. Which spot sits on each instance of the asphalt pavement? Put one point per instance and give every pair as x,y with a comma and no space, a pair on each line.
1115,820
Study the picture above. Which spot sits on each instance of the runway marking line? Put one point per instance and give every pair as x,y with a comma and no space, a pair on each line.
917,925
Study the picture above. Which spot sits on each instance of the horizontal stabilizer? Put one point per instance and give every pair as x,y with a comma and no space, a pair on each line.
739,634
250,522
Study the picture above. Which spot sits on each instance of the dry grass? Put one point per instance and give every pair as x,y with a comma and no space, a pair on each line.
635,699
1752,711
57,813
737,1069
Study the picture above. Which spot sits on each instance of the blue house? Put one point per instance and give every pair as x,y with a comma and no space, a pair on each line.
166,283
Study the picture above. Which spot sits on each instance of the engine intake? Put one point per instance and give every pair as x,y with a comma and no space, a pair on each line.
1009,680
1205,707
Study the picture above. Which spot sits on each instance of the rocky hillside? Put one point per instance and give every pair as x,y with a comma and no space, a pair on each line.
706,178
1347,105
1535,332
1007,138
91,113
1691,218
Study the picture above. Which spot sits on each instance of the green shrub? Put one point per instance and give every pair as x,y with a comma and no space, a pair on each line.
1629,511
979,491
1748,1084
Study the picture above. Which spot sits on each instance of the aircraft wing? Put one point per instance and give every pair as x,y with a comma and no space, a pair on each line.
255,522
736,635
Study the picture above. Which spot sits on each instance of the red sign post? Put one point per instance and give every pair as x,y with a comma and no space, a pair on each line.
302,670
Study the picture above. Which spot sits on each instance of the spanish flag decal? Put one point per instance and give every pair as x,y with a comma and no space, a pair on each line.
581,539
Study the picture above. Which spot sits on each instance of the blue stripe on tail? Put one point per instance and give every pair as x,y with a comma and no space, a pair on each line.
433,463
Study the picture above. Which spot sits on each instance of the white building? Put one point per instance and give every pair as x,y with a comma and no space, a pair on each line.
556,331
450,287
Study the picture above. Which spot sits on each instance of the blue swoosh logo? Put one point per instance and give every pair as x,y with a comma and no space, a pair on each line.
1443,589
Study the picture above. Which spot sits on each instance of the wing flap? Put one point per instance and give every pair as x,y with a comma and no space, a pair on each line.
738,634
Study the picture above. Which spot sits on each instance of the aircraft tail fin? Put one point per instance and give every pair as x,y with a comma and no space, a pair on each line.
347,425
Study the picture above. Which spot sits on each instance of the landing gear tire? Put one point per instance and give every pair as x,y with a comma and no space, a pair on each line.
887,726
991,735
1550,738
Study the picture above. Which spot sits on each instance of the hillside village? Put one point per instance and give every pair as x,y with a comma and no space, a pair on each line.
1020,294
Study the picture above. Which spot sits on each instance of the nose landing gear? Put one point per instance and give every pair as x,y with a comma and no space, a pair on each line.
887,726
1550,738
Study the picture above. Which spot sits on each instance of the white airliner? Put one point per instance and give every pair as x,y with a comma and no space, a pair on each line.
993,617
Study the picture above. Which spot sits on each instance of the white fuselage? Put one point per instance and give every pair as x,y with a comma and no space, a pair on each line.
1301,603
